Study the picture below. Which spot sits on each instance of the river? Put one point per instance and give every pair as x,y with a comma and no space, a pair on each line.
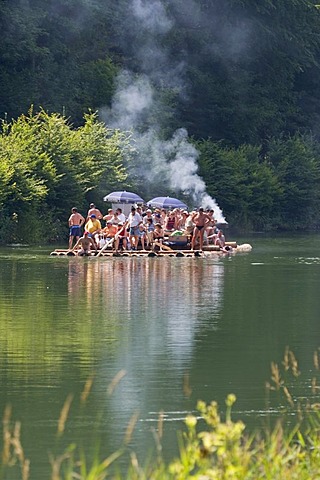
178,330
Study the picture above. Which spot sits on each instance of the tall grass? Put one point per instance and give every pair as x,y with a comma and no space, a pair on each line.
212,446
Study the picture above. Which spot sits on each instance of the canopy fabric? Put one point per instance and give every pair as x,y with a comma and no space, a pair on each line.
123,197
166,202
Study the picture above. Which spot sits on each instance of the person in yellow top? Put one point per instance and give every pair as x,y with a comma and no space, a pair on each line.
93,226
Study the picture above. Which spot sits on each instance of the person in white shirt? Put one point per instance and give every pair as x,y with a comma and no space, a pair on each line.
121,216
133,222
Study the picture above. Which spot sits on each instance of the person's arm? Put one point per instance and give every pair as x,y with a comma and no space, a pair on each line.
82,220
76,245
93,243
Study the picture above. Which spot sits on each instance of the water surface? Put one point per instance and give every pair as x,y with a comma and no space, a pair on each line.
182,329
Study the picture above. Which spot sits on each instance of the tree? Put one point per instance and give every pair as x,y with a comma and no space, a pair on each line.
47,166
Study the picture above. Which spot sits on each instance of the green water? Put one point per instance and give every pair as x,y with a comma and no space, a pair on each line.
218,322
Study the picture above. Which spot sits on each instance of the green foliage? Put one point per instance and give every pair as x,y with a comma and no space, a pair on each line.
242,182
297,166
212,447
272,188
46,167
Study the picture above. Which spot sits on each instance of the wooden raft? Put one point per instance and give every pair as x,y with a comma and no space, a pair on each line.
148,253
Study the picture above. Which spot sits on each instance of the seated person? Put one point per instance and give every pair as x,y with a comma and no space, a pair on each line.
220,239
110,230
93,226
85,243
158,235
150,230
189,223
142,235
102,241
148,216
121,237
182,220
170,224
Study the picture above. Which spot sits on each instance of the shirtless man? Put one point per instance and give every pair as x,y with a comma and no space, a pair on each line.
76,220
200,220
109,215
93,210
85,242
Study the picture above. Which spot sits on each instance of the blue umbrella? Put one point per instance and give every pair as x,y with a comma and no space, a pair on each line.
166,202
123,197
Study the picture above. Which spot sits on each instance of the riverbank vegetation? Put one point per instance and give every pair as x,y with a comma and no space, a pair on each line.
241,77
212,445
46,165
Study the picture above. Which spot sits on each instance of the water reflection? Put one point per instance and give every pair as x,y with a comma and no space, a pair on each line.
162,300
155,309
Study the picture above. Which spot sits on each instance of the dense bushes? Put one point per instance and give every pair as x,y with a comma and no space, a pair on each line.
46,167
275,187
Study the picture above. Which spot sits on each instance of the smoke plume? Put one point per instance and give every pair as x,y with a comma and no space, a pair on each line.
137,107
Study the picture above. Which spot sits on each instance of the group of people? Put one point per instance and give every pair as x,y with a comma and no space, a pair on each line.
142,226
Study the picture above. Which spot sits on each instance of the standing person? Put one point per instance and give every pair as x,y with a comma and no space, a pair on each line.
109,215
76,220
121,216
133,222
93,210
200,220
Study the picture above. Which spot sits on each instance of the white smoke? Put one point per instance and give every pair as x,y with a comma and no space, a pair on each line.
135,107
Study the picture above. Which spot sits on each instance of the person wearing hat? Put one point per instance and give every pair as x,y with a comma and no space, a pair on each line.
93,226
93,210
147,217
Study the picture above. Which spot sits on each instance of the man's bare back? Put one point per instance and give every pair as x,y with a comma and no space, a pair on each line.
76,219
